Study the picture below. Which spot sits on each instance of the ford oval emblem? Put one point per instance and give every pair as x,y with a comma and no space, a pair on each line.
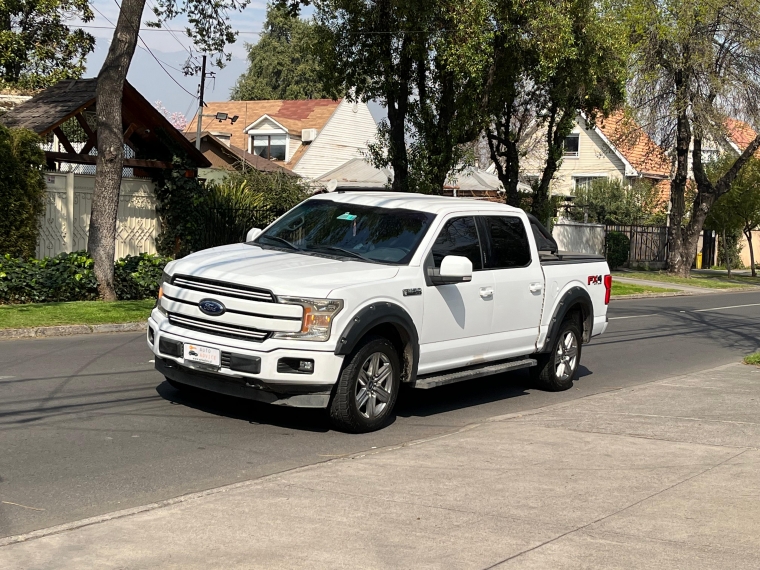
212,307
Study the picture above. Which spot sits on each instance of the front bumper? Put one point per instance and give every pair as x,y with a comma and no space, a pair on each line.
268,385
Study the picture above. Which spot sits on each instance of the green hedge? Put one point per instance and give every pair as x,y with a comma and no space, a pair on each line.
618,249
69,277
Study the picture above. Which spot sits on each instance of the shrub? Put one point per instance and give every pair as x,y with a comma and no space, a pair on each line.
69,277
138,276
22,190
618,249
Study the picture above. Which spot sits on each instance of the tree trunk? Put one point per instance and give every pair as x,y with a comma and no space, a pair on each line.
748,235
677,253
556,131
726,254
105,199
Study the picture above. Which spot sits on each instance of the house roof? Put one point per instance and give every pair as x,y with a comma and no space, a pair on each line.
222,156
358,173
635,145
55,105
740,134
294,115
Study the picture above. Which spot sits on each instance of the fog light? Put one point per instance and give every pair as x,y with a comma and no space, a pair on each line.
295,366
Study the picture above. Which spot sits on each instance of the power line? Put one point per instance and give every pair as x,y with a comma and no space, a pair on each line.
148,50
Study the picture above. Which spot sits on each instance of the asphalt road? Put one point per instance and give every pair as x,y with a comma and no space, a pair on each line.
88,427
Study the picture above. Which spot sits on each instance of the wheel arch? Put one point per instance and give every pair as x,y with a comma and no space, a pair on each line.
575,300
390,321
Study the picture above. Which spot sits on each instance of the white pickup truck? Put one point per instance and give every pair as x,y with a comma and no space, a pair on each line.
348,295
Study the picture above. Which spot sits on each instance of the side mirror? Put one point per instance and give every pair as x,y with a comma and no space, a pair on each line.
252,234
454,269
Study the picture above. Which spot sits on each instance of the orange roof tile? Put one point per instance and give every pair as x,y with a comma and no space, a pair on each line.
635,145
294,115
740,133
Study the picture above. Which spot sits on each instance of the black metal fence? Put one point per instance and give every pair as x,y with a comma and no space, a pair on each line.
649,244
224,225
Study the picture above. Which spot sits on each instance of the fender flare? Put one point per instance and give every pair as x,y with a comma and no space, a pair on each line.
573,297
383,313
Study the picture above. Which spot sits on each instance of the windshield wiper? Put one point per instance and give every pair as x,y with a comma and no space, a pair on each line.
280,240
343,251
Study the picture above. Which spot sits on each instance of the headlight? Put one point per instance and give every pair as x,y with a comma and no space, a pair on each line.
318,315
165,278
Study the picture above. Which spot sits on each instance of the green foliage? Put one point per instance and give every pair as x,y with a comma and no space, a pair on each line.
245,200
69,277
618,249
138,276
282,64
611,201
37,46
22,190
179,197
730,247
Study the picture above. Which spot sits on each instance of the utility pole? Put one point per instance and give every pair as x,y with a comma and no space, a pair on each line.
200,105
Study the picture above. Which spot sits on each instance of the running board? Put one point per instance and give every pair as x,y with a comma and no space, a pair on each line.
435,380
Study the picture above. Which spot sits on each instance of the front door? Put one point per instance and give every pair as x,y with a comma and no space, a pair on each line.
518,285
456,323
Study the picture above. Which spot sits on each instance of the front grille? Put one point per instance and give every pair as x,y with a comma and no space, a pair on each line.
226,359
220,288
231,331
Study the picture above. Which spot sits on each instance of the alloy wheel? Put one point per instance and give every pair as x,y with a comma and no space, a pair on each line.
374,385
566,357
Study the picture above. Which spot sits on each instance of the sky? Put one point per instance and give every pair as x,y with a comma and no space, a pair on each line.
158,75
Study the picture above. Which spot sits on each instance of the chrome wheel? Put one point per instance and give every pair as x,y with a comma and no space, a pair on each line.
374,385
566,357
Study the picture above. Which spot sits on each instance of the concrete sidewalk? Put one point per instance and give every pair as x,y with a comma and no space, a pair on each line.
665,475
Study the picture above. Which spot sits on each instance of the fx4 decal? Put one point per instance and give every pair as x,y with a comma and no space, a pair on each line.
595,280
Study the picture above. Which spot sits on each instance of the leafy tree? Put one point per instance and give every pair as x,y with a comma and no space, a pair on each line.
282,64
737,211
22,191
211,31
611,201
550,62
695,64
37,47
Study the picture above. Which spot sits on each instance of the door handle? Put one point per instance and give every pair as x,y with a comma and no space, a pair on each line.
486,292
536,287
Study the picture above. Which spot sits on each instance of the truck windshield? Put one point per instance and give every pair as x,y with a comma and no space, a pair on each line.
377,235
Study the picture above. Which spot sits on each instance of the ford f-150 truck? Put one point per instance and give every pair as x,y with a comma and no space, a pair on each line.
349,295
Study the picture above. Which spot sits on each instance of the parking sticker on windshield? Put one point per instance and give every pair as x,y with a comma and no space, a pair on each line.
347,216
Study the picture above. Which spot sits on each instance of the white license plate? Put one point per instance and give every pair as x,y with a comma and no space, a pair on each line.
203,355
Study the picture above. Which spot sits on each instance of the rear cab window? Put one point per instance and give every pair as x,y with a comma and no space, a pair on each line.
507,245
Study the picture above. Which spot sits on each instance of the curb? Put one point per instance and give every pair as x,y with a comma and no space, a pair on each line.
68,330
651,295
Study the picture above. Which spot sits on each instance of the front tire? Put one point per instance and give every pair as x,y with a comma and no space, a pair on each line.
557,368
367,389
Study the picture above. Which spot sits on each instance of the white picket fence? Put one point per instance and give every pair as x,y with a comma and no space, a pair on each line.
68,203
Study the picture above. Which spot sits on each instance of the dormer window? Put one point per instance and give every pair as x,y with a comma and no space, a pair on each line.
273,147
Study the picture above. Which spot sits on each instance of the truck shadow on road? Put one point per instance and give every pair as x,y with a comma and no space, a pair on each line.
412,403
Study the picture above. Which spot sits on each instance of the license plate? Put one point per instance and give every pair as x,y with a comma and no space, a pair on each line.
203,355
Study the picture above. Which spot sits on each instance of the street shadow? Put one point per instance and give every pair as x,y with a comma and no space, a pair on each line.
251,411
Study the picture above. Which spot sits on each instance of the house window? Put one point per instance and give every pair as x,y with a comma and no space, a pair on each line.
585,182
572,145
270,146
223,137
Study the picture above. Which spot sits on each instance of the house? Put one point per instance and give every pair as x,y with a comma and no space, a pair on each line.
226,157
308,137
615,148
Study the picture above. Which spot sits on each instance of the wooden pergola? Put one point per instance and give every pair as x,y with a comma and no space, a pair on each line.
146,131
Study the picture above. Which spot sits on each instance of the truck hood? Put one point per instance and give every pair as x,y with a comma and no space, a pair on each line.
281,272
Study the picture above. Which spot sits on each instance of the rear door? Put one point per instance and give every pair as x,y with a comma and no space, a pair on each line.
456,323
518,282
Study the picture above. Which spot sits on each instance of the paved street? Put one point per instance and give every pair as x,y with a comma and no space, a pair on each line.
88,427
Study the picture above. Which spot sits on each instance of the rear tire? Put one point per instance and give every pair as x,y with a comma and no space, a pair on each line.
557,368
367,389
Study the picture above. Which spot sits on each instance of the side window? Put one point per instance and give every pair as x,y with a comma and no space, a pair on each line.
458,237
509,242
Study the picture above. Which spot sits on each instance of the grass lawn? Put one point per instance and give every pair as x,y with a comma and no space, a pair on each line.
75,313
753,359
707,281
628,289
